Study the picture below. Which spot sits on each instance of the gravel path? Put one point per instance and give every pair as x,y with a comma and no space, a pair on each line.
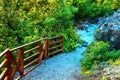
64,66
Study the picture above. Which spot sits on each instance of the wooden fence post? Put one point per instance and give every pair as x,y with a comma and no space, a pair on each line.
22,60
46,50
63,44
8,65
39,50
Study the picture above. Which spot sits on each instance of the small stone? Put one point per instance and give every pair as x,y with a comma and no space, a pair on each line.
85,44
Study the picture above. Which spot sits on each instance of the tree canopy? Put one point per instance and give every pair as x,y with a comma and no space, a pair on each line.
23,21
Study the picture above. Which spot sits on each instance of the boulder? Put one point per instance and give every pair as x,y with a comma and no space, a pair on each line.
109,30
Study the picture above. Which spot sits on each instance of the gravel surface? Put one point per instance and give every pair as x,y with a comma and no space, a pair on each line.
65,66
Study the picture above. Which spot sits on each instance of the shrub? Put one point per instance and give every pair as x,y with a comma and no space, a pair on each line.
71,39
26,24
111,55
95,8
117,62
94,55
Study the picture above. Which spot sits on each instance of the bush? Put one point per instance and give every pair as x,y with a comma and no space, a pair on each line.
111,55
26,24
95,8
96,53
117,62
71,39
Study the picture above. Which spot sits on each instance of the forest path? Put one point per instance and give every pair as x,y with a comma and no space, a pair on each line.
64,66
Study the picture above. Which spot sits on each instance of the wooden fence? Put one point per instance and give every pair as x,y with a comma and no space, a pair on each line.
17,60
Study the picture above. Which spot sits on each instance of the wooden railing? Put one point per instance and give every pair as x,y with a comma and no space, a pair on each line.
17,60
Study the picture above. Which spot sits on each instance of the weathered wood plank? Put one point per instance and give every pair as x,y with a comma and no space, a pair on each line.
31,63
30,50
55,47
55,42
3,73
3,53
3,63
27,44
55,52
31,56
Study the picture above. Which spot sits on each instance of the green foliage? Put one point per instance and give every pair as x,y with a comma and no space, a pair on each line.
70,44
95,54
112,55
98,48
23,21
117,61
95,8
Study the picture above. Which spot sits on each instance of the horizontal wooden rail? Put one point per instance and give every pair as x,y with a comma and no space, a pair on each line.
28,44
3,68
55,42
3,73
33,68
31,56
55,47
55,51
38,53
31,50
3,63
6,78
3,53
31,63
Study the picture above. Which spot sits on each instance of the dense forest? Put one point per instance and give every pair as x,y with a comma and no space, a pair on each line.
23,21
